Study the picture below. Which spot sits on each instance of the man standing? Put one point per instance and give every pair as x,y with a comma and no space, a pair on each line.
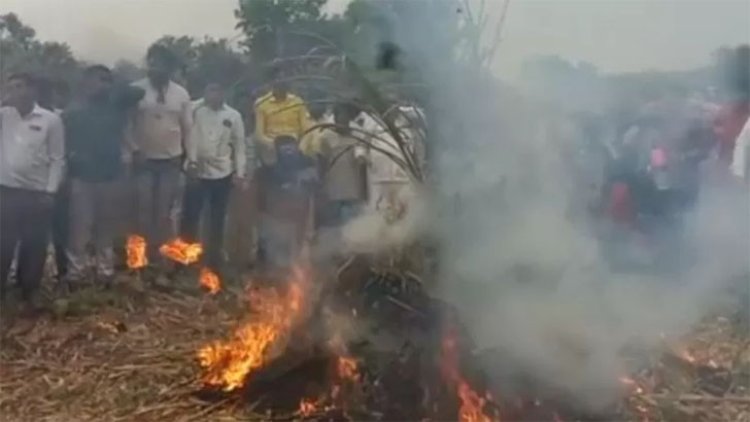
279,113
389,186
216,159
343,181
160,131
94,130
32,160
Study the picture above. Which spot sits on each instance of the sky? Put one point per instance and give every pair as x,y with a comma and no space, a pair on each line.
614,35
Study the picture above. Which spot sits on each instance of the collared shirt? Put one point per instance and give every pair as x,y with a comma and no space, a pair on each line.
280,117
32,149
158,126
381,148
217,141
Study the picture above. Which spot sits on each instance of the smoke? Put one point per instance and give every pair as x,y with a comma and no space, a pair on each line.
518,257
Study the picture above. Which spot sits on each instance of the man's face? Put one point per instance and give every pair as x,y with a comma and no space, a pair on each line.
18,92
98,84
158,68
214,95
280,90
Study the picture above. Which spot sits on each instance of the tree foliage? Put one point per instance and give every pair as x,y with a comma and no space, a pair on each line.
266,25
21,51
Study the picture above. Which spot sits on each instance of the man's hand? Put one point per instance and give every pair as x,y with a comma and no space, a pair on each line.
191,168
240,182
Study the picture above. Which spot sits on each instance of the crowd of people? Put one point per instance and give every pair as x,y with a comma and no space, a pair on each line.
143,159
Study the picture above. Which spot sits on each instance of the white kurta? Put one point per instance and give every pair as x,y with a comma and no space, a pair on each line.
390,188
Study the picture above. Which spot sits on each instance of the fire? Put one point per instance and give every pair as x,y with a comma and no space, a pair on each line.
347,369
227,364
307,407
181,251
472,403
210,280
135,247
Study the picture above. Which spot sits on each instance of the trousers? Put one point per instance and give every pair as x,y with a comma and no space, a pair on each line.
25,220
197,193
157,186
92,221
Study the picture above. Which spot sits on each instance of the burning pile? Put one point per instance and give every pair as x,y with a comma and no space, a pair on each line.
227,364
377,347
349,379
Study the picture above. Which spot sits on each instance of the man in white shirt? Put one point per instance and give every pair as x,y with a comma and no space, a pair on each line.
215,159
389,186
160,130
32,161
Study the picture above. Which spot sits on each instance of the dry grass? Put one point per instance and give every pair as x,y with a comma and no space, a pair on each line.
128,356
703,377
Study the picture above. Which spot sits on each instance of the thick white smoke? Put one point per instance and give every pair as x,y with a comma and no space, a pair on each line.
516,257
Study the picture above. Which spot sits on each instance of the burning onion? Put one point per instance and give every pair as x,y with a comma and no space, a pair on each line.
135,248
210,280
180,251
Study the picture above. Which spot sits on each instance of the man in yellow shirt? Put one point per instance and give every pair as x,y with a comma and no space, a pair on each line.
280,113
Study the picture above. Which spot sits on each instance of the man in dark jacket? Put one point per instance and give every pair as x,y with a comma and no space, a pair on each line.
94,129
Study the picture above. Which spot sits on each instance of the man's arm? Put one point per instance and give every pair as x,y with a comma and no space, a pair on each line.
192,135
186,120
56,151
127,97
238,142
308,141
260,125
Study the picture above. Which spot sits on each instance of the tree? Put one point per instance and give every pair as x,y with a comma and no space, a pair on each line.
266,25
21,51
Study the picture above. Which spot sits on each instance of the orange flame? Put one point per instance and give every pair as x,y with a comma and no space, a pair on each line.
307,407
472,403
227,364
210,281
347,369
135,247
180,251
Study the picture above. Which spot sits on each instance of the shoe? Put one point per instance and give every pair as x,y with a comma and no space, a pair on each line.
32,304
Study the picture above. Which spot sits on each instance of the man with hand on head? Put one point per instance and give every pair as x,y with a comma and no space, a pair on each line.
161,128
32,161
215,161
95,130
